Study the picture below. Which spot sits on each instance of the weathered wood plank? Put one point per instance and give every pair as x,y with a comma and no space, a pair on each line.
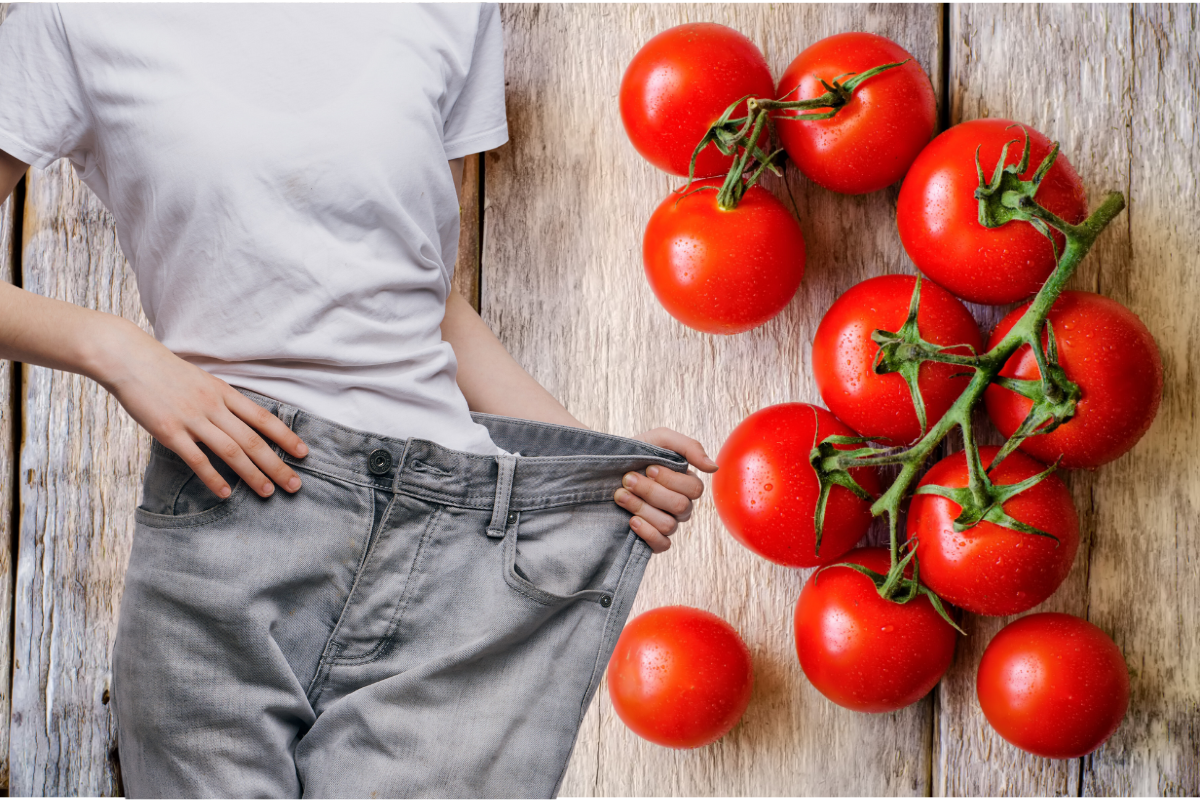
1145,566
466,269
1065,71
566,202
8,494
81,467
8,491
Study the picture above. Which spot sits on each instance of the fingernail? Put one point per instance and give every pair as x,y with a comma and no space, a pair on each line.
268,488
302,450
652,472
710,462
225,490
294,484
631,480
622,495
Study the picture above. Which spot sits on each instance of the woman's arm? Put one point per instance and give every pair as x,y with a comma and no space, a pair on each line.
491,379
494,383
177,402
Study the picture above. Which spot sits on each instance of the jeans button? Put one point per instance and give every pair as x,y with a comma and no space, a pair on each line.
512,517
379,462
605,601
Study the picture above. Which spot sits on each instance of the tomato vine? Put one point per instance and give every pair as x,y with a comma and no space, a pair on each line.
1003,199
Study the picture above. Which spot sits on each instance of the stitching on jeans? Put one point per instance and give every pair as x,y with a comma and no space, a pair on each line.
550,426
636,555
398,613
333,649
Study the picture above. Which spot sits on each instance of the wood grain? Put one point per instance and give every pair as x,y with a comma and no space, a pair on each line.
81,468
566,202
8,472
8,497
557,262
466,269
1145,562
996,53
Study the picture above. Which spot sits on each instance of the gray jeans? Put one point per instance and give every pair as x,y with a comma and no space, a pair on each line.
415,621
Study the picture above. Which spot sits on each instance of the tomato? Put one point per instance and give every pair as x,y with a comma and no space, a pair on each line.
1053,685
680,677
938,215
872,140
990,569
863,652
681,82
766,489
1105,349
723,271
843,356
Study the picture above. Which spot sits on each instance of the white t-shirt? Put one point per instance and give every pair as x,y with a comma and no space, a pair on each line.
279,182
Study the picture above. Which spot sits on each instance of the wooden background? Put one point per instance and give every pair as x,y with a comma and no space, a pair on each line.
551,253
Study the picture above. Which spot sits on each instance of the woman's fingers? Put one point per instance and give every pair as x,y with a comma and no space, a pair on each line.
650,535
686,483
675,505
663,522
648,522
260,453
194,457
265,423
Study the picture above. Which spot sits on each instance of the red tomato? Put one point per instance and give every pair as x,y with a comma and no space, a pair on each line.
680,83
723,271
680,677
872,140
1105,349
766,490
843,355
989,569
1053,685
863,652
938,215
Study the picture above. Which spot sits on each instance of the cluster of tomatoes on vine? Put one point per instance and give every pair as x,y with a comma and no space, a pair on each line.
990,213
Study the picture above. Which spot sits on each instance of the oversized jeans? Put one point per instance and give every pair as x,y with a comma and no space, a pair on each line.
414,621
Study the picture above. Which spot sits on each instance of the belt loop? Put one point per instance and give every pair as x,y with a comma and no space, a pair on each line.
287,414
504,483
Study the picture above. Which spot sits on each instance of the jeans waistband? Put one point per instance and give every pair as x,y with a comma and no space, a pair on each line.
557,465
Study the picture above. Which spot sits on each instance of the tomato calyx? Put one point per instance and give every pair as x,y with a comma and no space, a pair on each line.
1007,197
830,473
731,134
1054,397
983,501
904,351
898,587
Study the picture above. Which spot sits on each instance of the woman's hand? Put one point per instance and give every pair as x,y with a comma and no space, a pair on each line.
662,498
181,404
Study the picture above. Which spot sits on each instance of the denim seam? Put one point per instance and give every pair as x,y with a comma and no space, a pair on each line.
609,616
398,612
609,623
555,427
530,589
218,512
333,649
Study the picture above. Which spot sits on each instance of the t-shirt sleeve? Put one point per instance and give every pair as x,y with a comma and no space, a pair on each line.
43,114
477,121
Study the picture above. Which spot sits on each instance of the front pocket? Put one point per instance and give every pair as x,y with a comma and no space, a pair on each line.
173,495
560,554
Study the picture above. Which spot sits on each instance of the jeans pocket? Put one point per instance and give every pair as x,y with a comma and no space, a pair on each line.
173,496
575,552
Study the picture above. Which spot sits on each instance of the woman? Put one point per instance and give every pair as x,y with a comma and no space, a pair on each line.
431,614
